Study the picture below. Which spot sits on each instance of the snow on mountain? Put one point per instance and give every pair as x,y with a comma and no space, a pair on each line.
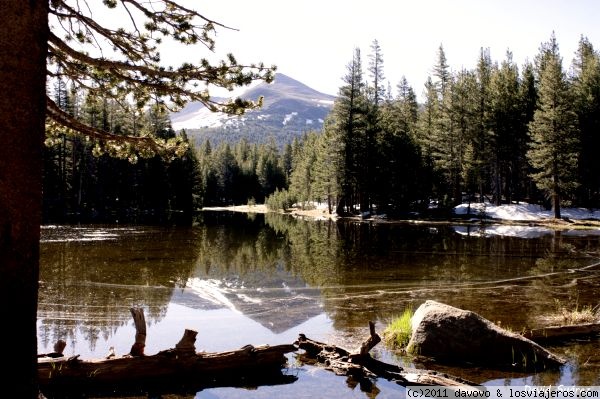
288,104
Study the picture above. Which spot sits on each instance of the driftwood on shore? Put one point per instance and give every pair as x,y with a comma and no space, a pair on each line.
559,333
361,366
184,369
173,369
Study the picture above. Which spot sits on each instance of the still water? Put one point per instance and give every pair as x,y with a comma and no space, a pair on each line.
242,279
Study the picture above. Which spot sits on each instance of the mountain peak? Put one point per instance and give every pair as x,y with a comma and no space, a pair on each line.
286,81
289,106
284,86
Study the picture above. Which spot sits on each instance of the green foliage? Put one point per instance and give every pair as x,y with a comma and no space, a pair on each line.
235,175
376,89
349,118
280,200
398,332
81,185
586,92
554,136
475,135
129,72
507,131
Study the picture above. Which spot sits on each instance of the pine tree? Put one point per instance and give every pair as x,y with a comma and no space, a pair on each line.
377,88
207,175
427,131
268,170
481,166
554,134
372,175
31,50
458,152
586,91
441,71
399,159
349,118
528,98
448,136
508,137
185,186
303,176
329,158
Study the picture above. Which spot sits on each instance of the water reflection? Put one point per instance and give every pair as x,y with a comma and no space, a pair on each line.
88,283
264,279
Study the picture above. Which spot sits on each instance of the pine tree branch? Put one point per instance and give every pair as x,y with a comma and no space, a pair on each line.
134,47
172,82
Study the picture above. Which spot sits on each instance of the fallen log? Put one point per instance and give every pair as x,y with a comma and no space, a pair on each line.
173,368
361,366
182,369
558,333
139,320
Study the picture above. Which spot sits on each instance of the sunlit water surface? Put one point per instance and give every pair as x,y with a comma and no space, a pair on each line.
239,279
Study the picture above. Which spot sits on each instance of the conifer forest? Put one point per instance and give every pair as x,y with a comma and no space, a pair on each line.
499,132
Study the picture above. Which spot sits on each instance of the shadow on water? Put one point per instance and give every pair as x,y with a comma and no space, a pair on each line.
263,279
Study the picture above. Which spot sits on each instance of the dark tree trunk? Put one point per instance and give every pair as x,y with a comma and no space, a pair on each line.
556,197
23,48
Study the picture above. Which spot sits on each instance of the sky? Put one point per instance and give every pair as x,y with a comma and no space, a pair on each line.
313,41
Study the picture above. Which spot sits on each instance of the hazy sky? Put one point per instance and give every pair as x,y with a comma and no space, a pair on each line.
313,41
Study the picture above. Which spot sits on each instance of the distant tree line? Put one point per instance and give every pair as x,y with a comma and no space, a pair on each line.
241,173
498,132
86,183
83,182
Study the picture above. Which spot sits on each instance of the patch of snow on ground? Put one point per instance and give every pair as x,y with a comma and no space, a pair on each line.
522,212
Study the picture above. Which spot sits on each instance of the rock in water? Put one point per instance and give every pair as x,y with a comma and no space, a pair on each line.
452,335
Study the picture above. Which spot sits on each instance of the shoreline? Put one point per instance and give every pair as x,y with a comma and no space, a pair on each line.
317,214
322,214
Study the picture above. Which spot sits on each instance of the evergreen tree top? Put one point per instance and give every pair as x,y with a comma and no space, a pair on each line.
124,64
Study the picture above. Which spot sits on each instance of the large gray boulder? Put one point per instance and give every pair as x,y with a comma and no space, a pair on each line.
452,335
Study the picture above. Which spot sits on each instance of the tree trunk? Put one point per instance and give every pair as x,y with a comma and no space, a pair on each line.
169,370
556,205
558,333
23,48
555,194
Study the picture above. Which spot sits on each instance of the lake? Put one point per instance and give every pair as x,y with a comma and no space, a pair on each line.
243,279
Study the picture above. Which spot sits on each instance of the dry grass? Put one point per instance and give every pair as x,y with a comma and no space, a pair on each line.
564,316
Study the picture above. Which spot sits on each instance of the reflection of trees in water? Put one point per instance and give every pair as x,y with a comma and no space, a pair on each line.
357,271
368,271
554,278
313,248
586,356
231,244
89,286
252,264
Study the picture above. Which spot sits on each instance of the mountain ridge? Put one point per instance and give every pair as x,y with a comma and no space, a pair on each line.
290,108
